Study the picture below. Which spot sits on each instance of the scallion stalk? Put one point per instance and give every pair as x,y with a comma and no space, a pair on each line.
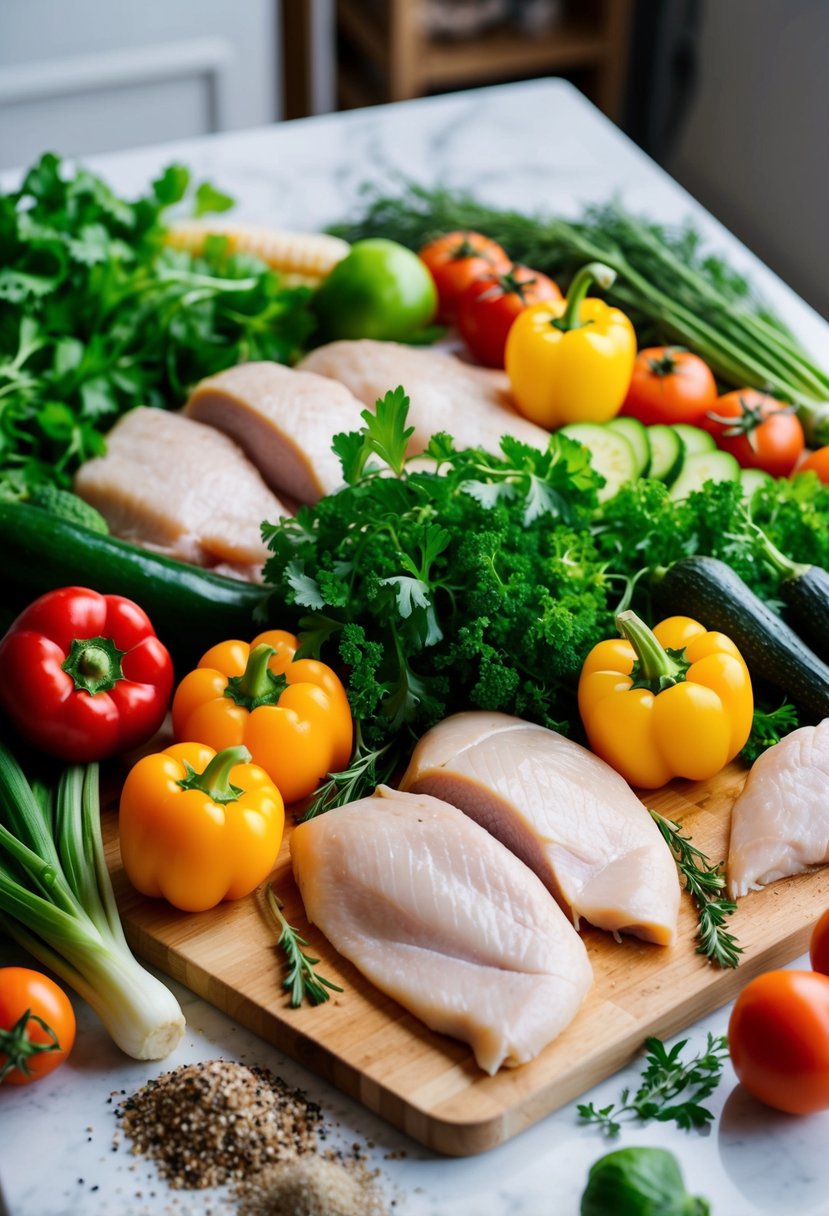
56,900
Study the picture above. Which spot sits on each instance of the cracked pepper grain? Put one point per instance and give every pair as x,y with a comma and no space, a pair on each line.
216,1122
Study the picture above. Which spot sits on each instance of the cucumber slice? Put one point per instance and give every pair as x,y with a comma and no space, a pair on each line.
754,479
702,467
694,438
636,434
610,454
667,452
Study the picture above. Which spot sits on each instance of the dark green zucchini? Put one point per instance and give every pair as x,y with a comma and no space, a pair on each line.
712,593
190,608
804,589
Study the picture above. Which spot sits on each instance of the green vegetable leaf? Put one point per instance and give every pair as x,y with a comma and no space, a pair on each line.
210,200
171,186
386,433
306,589
767,728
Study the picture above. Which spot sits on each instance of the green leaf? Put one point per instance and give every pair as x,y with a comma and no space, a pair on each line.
385,430
411,593
350,447
306,590
208,199
171,186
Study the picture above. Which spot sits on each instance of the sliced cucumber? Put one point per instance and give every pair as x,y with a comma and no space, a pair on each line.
610,454
667,452
754,479
636,434
694,438
702,467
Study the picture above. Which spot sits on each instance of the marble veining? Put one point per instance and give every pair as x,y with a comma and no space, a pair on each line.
541,147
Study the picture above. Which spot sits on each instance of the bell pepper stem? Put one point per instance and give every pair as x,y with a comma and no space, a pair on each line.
597,272
215,779
257,685
655,668
94,664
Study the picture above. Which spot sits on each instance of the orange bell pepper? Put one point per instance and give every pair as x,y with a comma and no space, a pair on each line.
197,827
293,715
675,701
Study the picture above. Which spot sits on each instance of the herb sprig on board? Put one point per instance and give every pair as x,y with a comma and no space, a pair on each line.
301,979
98,315
705,883
671,1090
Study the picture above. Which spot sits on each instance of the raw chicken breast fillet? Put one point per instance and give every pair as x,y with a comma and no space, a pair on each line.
173,485
446,394
444,919
284,420
574,821
780,821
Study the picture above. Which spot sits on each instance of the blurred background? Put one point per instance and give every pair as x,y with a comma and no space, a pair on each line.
730,96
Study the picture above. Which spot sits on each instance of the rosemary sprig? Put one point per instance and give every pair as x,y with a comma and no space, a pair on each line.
704,883
369,768
301,979
665,1078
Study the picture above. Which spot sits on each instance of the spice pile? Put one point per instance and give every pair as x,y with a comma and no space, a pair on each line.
221,1122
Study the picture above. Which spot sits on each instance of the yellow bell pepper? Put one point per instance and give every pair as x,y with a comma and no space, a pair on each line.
293,715
675,701
197,827
571,360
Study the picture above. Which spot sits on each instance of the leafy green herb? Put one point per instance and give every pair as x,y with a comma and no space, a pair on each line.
477,584
369,768
671,1090
98,315
673,288
301,980
767,728
705,884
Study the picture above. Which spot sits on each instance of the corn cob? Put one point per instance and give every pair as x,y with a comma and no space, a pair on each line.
299,257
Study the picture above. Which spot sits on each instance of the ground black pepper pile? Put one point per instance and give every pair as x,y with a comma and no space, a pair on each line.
216,1122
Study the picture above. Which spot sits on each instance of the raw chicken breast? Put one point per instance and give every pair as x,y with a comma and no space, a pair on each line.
780,821
571,817
171,484
471,403
284,420
444,919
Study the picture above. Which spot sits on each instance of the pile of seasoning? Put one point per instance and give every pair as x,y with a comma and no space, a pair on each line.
217,1122
221,1122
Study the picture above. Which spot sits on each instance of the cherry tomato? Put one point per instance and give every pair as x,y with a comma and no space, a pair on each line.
760,431
488,306
22,992
669,385
818,462
778,1036
455,259
819,945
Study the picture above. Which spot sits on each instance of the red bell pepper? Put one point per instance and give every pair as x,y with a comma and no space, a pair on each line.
83,676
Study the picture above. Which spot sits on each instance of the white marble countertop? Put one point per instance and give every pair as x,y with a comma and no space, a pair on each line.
535,146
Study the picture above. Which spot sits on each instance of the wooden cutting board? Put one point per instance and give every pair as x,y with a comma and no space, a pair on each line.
426,1084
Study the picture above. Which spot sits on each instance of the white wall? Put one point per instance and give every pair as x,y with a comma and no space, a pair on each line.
84,76
755,150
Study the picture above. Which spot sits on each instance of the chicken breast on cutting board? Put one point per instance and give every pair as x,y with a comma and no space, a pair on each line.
284,420
171,484
446,394
780,820
574,821
441,917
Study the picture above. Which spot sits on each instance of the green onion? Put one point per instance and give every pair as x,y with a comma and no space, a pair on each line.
56,900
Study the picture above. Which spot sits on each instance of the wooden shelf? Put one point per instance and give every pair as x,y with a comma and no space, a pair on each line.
385,56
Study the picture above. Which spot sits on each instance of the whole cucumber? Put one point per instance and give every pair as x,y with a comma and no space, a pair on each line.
190,608
708,590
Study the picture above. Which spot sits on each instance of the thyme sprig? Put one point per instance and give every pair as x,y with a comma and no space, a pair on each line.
704,882
301,979
664,1079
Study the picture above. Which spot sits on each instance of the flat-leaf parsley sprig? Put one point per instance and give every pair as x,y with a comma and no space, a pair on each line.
671,1090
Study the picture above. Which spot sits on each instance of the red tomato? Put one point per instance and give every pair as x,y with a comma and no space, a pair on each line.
819,945
488,306
25,991
669,385
760,431
457,258
818,462
778,1036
